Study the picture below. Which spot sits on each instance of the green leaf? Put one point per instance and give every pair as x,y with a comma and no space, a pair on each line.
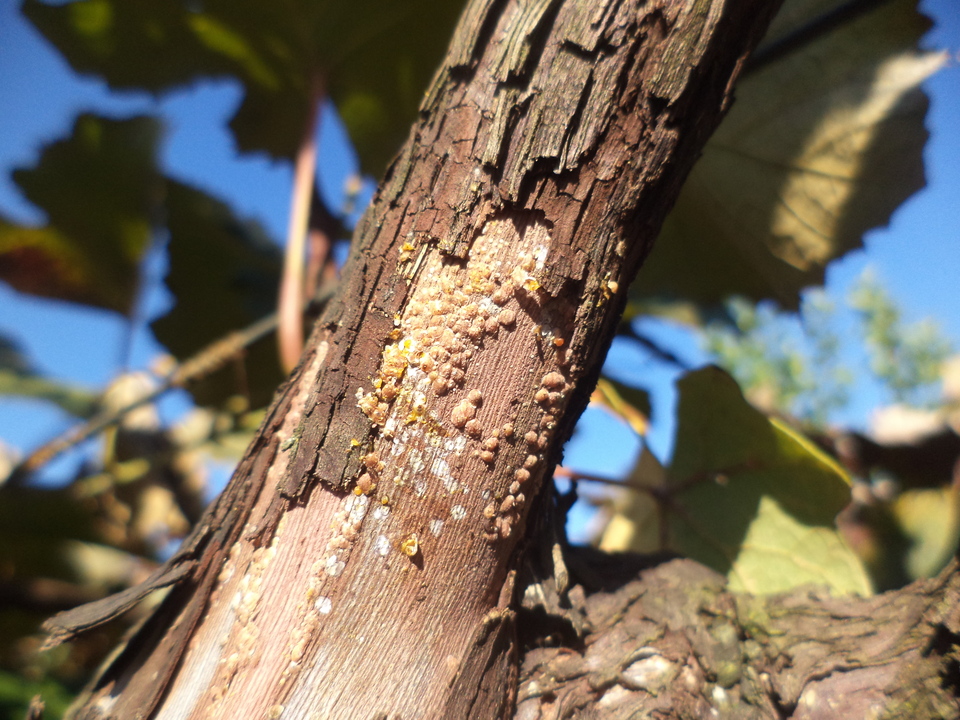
374,58
763,508
100,191
751,497
36,527
224,273
16,692
820,146
104,197
18,377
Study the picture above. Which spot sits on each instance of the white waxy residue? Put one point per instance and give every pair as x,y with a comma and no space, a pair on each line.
334,566
441,469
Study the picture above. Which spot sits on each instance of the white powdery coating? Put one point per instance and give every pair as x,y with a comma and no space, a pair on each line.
441,469
399,442
540,256
417,378
382,545
390,426
419,397
415,460
403,475
334,566
323,605
356,506
381,513
455,445
458,512
436,527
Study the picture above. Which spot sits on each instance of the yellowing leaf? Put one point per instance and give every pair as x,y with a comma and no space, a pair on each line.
747,496
779,553
636,524
821,145
931,520
629,404
42,261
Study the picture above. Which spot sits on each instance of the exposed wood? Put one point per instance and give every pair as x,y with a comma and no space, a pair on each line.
361,562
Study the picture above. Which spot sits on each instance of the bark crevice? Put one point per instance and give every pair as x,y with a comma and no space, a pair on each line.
671,639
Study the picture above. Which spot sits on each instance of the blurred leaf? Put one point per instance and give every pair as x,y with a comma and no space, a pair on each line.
17,691
100,191
103,195
930,519
627,403
374,57
637,525
18,377
228,441
224,274
35,528
821,145
103,567
748,496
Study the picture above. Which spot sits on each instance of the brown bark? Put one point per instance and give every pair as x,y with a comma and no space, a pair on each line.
361,563
669,641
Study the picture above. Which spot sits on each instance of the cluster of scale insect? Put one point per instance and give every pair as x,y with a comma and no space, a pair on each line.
442,328
370,475
445,325
503,509
244,635
503,512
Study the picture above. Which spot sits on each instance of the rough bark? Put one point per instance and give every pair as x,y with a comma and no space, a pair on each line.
669,641
362,561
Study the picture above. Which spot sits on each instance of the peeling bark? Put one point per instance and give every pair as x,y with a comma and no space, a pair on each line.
361,563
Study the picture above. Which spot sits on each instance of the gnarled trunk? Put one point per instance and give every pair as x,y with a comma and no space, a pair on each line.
668,640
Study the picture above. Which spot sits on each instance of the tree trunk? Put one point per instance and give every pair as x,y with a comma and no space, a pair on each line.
362,562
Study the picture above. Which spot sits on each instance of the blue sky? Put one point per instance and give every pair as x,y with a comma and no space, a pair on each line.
917,256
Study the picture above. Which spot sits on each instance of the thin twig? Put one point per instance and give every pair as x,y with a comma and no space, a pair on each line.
290,301
209,359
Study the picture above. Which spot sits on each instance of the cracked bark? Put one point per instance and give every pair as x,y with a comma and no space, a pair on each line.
362,562
669,641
